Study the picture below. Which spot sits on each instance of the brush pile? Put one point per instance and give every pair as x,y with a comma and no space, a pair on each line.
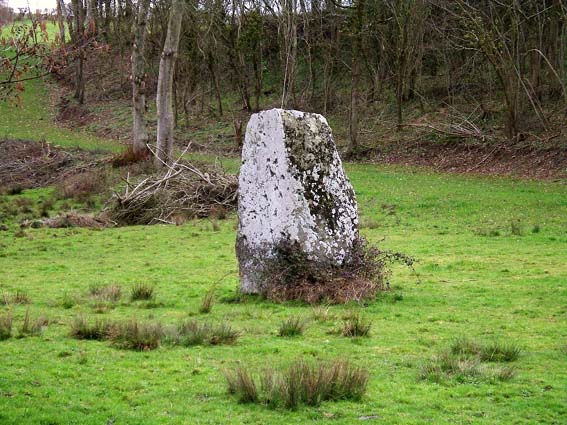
26,164
182,192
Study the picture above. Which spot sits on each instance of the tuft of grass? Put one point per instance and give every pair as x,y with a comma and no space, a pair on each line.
294,326
223,334
500,352
69,301
505,373
111,293
308,383
31,327
6,324
207,303
516,228
446,364
495,351
142,291
322,313
466,361
355,325
242,384
82,329
136,335
20,297
192,332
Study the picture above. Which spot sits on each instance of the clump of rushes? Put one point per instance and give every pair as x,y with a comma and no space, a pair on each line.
207,303
32,327
136,335
142,291
471,361
495,351
191,332
242,384
5,326
294,326
20,297
322,313
309,383
111,293
355,325
82,329
223,334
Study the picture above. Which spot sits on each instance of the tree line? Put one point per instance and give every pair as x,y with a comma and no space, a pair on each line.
333,55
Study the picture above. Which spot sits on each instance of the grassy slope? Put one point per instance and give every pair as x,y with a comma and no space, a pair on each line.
33,120
504,287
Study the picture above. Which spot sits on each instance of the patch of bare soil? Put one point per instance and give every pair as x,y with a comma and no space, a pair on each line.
27,164
527,161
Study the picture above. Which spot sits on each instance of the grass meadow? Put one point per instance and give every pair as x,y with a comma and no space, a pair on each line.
491,270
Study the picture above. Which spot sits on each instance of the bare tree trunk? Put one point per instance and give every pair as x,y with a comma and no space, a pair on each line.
164,101
290,49
355,78
139,130
61,19
79,39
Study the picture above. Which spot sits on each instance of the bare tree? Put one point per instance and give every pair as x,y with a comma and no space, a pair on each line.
164,101
80,40
139,131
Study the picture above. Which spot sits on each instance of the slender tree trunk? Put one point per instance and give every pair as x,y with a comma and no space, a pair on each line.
79,39
355,79
290,50
164,101
61,19
139,130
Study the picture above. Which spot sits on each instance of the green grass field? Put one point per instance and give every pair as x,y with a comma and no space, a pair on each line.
492,267
479,276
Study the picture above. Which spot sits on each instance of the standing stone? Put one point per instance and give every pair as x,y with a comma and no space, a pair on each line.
292,189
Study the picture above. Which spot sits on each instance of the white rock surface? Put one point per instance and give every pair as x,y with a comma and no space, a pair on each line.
292,187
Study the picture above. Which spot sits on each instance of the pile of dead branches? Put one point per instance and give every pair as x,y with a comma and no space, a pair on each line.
182,192
26,164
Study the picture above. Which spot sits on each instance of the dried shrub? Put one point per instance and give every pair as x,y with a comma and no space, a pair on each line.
6,323
355,325
142,291
302,382
292,275
294,326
